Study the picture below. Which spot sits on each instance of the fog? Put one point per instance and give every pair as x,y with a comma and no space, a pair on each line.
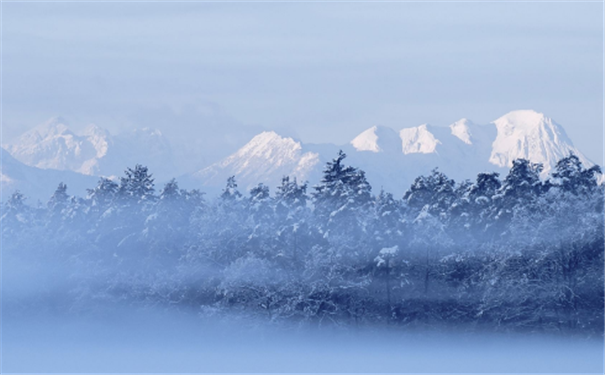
142,341
497,275
395,64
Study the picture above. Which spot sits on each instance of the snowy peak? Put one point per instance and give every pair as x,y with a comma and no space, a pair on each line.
377,139
271,147
94,130
461,129
269,151
266,158
531,135
418,140
522,119
54,127
99,138
52,145
391,159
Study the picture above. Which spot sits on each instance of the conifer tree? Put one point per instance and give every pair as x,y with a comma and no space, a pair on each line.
137,185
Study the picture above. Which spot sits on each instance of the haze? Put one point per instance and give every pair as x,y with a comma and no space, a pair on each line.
319,71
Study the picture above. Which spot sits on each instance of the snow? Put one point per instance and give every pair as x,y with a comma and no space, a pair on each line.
99,139
270,147
418,140
377,139
461,130
367,141
390,159
94,152
385,252
52,145
266,158
393,160
531,135
389,250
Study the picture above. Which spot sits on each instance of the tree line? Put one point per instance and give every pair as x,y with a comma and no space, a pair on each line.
512,253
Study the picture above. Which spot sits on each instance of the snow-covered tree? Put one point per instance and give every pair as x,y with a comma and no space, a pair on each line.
572,177
102,196
436,192
519,253
137,185
342,199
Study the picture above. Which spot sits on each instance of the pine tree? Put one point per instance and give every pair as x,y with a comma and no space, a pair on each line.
289,197
342,198
522,184
102,196
137,186
480,202
519,191
387,227
230,192
572,177
15,215
166,229
260,204
58,201
292,221
436,192
486,186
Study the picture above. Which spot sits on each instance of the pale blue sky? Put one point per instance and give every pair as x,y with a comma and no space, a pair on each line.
321,71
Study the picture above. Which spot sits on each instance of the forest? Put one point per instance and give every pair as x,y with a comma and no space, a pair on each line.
511,253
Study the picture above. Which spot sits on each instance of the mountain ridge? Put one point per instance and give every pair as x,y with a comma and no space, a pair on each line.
94,151
391,158
394,159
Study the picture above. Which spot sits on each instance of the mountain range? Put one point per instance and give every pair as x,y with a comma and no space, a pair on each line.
391,159
94,152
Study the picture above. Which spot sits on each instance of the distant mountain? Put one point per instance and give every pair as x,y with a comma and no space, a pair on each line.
52,145
266,158
531,135
392,160
95,152
36,183
378,139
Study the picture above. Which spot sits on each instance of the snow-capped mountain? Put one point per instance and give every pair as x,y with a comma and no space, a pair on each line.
265,159
531,135
52,145
418,140
378,139
36,183
95,152
392,160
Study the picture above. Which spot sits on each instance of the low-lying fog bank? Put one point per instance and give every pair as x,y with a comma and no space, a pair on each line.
143,342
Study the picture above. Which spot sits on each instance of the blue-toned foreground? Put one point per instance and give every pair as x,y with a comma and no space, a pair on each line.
177,342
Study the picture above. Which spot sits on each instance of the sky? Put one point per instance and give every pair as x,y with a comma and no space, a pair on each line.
320,71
